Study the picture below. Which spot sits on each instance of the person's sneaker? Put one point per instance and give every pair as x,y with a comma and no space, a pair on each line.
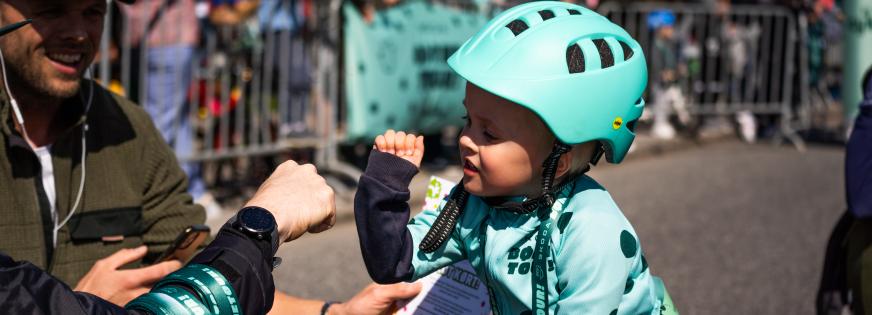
213,208
663,131
747,126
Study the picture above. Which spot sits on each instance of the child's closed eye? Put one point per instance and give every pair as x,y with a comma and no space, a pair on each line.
489,135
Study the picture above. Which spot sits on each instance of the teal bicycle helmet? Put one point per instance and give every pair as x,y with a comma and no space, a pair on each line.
581,73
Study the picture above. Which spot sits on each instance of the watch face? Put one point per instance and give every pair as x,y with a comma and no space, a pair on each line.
257,220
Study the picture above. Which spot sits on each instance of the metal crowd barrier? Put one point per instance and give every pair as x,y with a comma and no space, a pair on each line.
251,92
743,58
237,108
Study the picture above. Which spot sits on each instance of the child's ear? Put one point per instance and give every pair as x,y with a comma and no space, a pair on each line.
564,164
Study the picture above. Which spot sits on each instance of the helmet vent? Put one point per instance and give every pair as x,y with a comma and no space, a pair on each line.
574,59
517,26
639,101
632,125
546,14
627,51
573,12
606,57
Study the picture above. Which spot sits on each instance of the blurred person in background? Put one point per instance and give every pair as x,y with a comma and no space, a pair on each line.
846,279
858,184
283,24
231,12
739,43
664,63
730,48
823,43
166,33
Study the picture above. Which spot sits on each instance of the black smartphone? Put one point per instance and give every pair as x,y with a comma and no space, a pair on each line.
185,244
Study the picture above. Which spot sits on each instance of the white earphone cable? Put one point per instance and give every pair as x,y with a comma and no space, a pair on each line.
15,109
82,180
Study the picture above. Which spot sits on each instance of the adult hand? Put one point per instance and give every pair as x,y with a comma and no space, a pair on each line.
121,286
376,299
299,199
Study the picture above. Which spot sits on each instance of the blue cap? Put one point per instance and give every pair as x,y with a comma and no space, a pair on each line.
660,18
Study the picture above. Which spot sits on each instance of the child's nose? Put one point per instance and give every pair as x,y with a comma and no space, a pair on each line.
466,144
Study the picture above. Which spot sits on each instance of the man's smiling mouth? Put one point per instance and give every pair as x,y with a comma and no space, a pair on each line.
68,59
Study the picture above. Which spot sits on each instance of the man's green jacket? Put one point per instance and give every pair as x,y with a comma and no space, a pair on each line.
134,194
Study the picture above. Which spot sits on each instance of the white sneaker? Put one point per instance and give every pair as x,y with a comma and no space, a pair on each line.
663,131
747,126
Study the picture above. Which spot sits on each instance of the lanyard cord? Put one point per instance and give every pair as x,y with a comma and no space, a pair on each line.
541,253
540,259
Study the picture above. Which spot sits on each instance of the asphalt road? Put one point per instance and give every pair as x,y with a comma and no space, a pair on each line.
731,228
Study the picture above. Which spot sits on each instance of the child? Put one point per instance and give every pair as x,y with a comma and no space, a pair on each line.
665,89
551,87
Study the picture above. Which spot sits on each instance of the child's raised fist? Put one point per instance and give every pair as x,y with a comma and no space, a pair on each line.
406,146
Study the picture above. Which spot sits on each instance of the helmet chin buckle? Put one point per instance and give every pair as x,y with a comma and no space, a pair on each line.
546,201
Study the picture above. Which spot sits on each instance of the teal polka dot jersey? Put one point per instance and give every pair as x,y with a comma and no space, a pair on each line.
596,264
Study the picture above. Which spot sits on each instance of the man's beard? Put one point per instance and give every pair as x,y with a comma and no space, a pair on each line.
26,74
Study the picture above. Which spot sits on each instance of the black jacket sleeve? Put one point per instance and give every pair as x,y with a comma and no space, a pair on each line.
247,265
381,210
26,289
858,165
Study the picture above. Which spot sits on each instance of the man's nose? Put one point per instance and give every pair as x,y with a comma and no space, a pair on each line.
75,30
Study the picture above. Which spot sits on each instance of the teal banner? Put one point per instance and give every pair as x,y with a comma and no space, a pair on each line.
396,75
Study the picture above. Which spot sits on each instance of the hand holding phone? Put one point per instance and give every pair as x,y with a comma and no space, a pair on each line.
185,244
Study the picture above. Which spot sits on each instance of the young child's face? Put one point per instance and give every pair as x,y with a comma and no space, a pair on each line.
502,146
666,31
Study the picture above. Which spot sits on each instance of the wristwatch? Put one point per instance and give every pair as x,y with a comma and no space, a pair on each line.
260,225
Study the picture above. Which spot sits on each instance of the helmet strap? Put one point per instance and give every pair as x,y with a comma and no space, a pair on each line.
445,222
549,172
